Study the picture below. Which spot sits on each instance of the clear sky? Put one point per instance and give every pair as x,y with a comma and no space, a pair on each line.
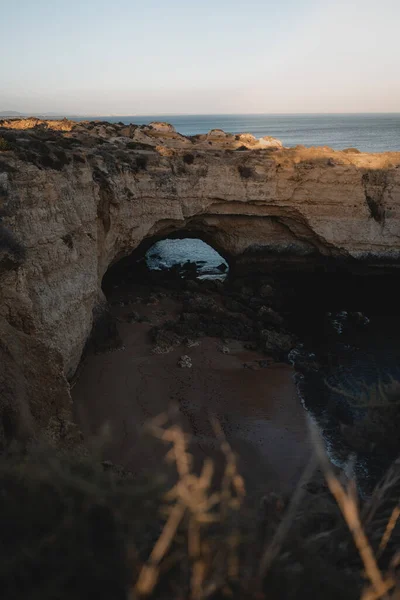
127,57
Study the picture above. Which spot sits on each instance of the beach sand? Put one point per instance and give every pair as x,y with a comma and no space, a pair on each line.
254,399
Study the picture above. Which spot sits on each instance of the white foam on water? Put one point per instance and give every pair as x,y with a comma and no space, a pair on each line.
167,253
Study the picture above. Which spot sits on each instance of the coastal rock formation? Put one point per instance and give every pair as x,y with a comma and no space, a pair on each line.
77,197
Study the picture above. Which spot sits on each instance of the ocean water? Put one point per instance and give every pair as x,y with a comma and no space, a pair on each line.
167,253
367,132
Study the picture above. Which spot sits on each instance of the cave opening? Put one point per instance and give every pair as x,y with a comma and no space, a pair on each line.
171,260
188,257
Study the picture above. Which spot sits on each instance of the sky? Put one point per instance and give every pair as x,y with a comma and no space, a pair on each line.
129,57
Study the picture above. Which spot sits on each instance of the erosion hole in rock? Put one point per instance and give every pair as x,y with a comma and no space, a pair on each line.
177,257
187,258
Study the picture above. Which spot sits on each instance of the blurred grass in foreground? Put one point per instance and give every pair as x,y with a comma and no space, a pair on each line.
74,528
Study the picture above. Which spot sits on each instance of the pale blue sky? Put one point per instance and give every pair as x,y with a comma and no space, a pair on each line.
130,57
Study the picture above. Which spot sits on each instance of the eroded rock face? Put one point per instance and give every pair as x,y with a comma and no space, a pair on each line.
162,127
77,197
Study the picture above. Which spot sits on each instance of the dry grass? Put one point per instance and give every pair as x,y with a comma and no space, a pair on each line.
222,565
71,529
212,561
346,497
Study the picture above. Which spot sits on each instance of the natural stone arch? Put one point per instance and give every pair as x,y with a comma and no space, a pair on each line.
245,241
180,234
191,230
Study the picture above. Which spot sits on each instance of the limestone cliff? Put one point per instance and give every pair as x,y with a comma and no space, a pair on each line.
76,197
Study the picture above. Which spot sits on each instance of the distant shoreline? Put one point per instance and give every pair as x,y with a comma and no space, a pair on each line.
368,132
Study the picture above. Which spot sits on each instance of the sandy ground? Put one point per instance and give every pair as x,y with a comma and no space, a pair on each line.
258,408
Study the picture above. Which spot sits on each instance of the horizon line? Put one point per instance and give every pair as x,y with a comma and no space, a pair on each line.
194,114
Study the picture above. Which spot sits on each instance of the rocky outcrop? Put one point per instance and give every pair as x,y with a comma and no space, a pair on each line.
31,122
76,197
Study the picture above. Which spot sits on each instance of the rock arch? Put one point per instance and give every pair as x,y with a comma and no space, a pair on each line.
248,242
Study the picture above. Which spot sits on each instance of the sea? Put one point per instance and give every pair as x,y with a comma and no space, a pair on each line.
168,253
368,132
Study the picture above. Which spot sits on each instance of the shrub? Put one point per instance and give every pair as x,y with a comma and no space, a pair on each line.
139,146
4,145
352,151
68,526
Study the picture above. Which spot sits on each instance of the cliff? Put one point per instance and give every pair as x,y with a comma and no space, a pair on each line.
76,197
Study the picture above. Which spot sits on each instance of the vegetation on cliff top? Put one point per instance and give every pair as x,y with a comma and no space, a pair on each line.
4,145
